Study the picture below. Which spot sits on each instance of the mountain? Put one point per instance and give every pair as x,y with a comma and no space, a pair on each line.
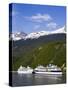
38,48
61,30
35,35
43,33
18,36
43,50
52,52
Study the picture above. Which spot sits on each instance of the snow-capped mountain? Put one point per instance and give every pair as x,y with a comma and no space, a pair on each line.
43,33
18,36
61,30
35,35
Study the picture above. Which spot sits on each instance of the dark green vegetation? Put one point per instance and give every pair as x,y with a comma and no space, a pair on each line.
44,50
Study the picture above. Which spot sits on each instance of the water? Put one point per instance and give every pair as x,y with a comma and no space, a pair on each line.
36,79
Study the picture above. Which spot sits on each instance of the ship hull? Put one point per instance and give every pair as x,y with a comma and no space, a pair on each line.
50,73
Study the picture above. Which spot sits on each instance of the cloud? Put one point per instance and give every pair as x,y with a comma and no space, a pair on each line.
40,17
51,25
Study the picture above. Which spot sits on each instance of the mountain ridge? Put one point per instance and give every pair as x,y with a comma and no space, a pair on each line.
35,35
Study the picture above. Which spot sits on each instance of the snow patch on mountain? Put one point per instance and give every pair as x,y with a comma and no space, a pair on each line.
18,36
34,35
61,30
43,33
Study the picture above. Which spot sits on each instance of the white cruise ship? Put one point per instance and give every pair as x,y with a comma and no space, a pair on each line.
24,70
49,69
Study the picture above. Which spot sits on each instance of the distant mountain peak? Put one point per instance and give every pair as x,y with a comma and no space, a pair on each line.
35,35
43,33
18,36
60,30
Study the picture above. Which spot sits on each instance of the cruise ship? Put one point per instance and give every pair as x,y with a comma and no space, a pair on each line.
24,70
40,69
49,69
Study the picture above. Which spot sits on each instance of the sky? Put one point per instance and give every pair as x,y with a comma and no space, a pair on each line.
33,18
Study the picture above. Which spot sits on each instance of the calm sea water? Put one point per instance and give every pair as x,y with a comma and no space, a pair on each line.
37,79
